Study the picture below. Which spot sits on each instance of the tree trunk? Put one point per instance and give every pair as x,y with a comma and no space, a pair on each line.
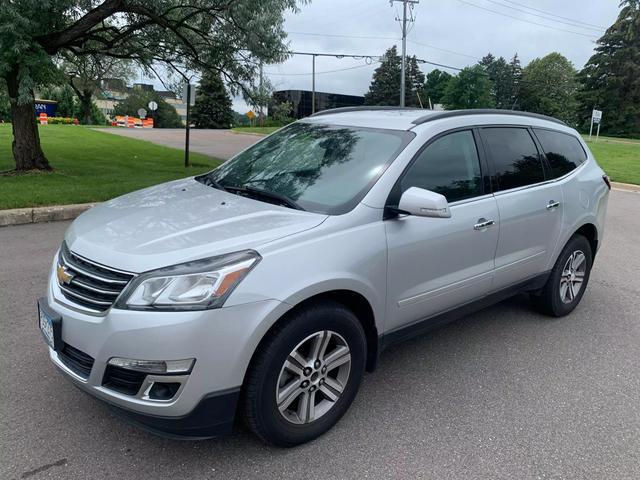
27,152
85,108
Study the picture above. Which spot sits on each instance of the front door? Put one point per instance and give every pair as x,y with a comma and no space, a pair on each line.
436,264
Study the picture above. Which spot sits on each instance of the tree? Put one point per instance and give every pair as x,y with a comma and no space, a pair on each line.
414,84
5,106
164,117
65,96
549,87
471,88
501,75
281,112
516,79
435,86
610,80
385,84
230,37
213,103
85,74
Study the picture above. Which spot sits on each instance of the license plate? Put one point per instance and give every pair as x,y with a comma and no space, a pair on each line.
49,326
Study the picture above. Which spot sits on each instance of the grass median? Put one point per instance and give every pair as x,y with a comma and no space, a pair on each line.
90,166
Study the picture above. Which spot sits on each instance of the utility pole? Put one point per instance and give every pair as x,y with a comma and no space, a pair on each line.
404,45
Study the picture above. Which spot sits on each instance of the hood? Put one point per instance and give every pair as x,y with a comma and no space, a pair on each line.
177,222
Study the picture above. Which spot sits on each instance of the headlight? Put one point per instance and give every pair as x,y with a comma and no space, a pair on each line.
197,285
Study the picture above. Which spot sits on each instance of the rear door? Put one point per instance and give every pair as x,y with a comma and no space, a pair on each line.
436,264
530,206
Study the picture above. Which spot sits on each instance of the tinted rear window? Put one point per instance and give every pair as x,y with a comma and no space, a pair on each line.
563,151
514,155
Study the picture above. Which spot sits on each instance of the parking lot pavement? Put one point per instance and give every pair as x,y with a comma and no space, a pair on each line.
504,393
222,144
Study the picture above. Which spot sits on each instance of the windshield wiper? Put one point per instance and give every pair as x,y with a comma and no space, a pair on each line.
210,182
257,192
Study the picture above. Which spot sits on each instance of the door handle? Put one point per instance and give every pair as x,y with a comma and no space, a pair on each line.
483,223
552,204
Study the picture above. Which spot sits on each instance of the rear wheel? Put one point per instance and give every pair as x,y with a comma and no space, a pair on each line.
568,279
305,375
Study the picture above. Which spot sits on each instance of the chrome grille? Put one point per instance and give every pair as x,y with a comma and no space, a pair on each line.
89,285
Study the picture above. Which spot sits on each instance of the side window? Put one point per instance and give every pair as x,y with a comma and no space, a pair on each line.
449,166
563,151
514,155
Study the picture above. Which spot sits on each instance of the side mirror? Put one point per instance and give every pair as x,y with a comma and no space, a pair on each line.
424,203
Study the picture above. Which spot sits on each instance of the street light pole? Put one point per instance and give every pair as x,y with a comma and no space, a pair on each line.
313,84
186,137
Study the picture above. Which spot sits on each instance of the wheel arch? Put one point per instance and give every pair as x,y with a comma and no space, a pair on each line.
590,231
351,299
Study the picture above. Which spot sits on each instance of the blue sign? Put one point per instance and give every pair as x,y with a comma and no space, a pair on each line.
46,106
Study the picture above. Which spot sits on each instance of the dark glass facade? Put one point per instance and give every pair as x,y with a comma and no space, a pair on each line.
301,100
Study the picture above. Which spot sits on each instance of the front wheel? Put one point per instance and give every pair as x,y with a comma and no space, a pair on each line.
305,375
568,279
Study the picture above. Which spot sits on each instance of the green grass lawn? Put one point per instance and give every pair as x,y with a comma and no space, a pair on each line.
620,158
258,130
90,166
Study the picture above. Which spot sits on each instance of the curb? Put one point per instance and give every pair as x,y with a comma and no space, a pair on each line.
21,216
625,187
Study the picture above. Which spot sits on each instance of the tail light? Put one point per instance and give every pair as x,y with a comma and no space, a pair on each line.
607,181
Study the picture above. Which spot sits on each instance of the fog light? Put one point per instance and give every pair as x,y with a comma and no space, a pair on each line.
164,390
154,366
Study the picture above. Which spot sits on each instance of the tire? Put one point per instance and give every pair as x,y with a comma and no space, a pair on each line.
326,328
559,296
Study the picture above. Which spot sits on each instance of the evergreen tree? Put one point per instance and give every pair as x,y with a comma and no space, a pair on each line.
501,75
385,84
516,77
471,88
213,103
549,87
610,81
414,84
435,86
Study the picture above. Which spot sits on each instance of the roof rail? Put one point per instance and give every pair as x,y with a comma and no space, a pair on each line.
482,111
360,109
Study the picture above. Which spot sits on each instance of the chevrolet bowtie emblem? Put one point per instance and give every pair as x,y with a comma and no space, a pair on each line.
64,276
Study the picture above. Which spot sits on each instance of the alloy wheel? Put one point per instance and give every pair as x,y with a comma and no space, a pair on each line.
572,276
313,377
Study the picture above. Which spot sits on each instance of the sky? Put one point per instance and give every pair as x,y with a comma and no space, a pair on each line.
451,32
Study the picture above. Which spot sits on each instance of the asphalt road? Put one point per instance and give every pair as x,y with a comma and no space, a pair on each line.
222,144
502,394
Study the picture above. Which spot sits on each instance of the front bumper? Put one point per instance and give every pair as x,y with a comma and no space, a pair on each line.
222,342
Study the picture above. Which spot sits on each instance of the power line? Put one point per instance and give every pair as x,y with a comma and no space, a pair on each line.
545,17
371,37
556,15
318,73
443,49
526,21
367,37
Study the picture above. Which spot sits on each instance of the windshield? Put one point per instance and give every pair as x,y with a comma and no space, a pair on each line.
321,168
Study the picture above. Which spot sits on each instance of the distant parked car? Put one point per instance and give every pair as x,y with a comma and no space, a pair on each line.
267,287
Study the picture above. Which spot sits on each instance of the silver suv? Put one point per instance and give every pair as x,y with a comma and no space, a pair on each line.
266,287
